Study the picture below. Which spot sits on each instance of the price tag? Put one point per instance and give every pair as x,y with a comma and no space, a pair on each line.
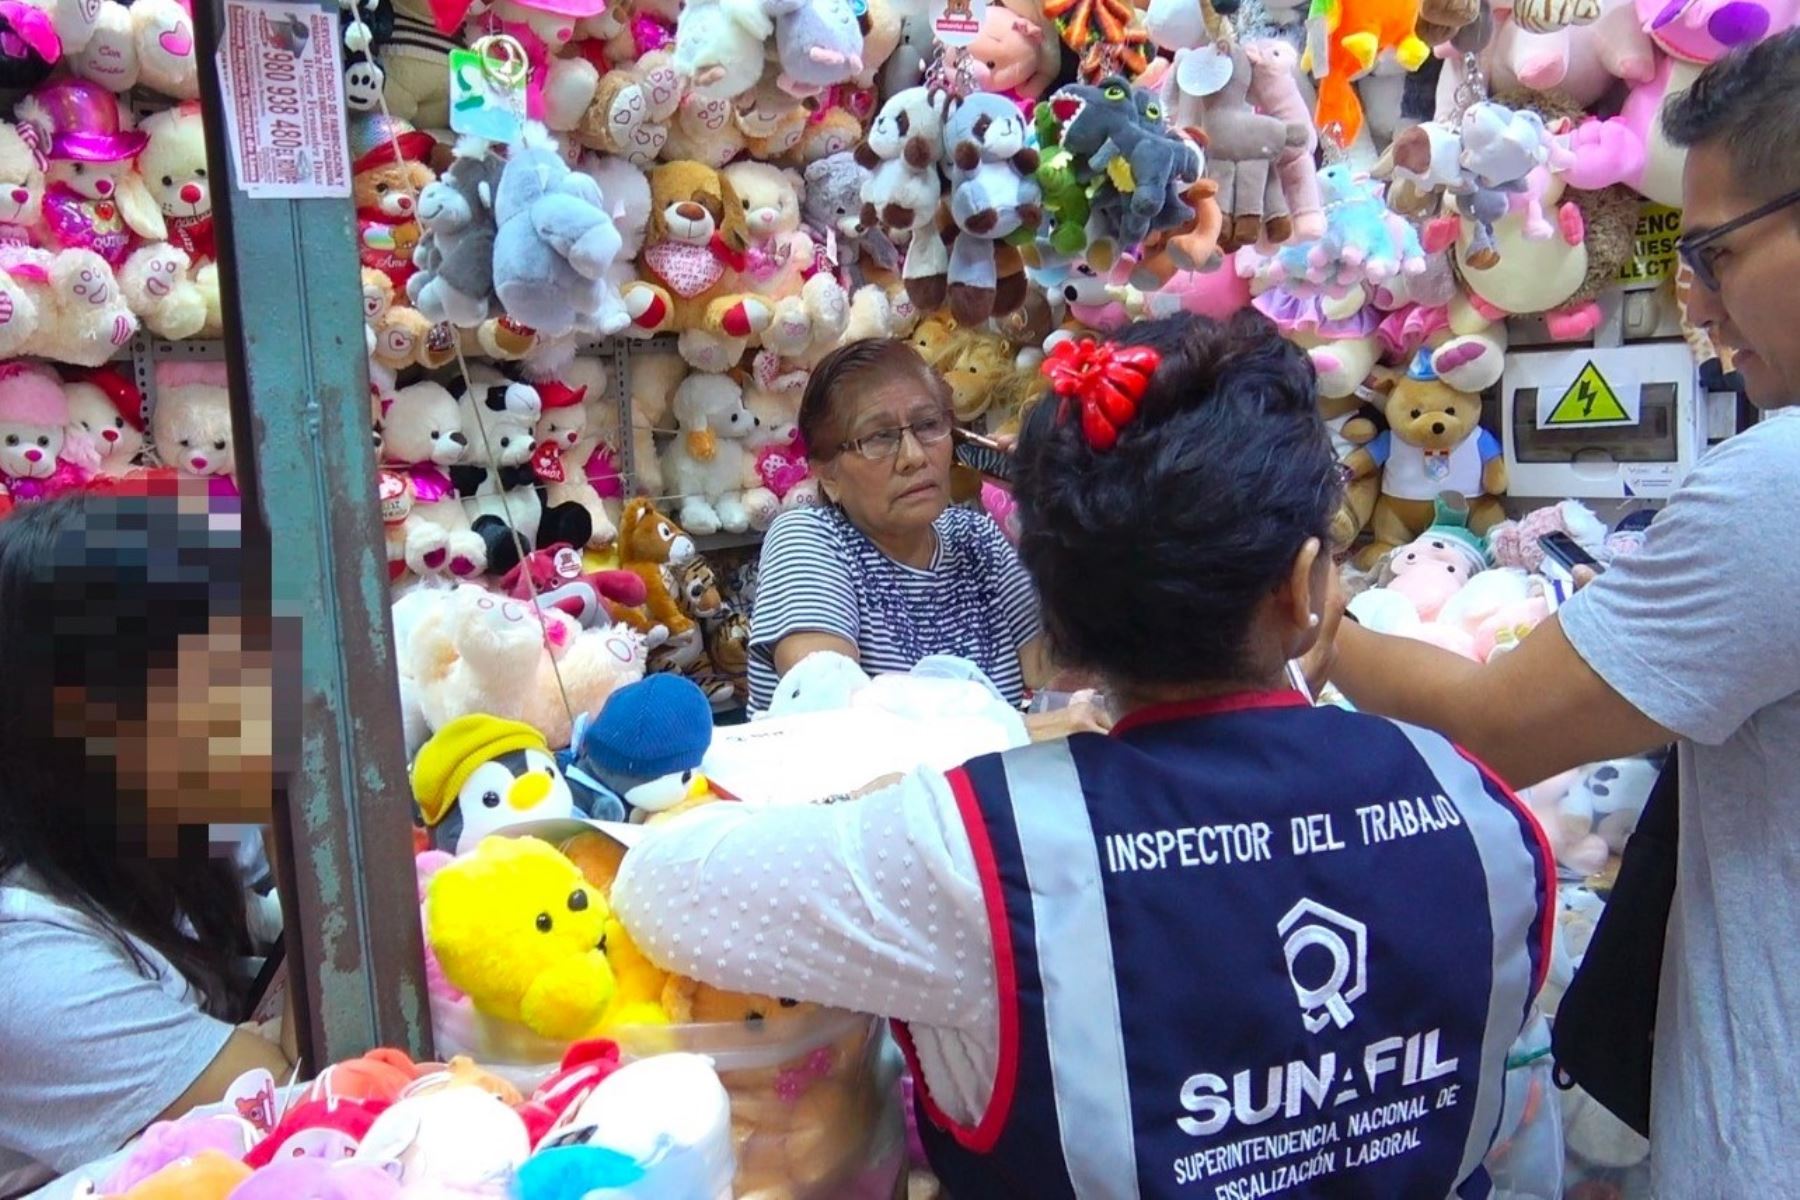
282,74
487,89
956,22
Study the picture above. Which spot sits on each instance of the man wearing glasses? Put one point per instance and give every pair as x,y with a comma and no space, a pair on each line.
1696,639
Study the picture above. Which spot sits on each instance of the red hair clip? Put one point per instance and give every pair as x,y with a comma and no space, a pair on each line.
1104,380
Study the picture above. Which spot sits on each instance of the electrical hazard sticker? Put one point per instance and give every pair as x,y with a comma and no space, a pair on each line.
1589,400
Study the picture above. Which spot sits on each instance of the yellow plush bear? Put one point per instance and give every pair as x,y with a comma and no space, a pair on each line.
516,927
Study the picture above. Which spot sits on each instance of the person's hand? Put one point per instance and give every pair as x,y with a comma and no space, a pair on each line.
1084,714
1007,442
869,789
1317,662
1584,576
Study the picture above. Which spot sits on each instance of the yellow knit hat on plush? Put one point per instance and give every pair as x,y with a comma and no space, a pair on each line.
455,751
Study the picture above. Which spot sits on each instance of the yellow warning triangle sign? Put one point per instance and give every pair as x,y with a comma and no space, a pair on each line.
1590,400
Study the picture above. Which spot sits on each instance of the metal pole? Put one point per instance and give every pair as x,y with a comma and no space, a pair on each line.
292,295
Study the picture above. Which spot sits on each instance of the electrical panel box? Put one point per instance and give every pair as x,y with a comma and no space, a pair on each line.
1601,423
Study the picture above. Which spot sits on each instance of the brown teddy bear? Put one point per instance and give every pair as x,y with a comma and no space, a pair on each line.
692,259
1434,444
389,168
803,1109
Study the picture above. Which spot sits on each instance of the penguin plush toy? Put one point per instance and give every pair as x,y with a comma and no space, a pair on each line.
479,775
644,749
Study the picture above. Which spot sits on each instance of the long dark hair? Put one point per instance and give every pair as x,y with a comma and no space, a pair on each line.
95,591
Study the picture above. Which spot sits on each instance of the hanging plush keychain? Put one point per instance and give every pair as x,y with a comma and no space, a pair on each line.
488,83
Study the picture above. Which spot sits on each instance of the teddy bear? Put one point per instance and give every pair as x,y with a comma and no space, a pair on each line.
109,409
835,124
705,463
579,415
454,261
837,217
777,475
503,480
388,170
705,130
517,929
190,424
94,199
21,188
632,109
693,262
772,121
422,441
1434,444
174,170
43,451
554,244
902,151
471,651
801,1124
62,305
148,43
780,263
652,384
397,336
719,46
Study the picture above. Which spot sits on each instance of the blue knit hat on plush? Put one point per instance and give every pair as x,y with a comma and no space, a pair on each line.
646,745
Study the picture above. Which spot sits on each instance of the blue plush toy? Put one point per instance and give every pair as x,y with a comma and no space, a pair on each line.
644,749
1364,242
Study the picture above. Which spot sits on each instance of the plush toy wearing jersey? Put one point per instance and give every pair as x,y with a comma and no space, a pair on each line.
1434,444
480,774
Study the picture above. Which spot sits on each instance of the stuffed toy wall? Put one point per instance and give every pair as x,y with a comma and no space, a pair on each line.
589,322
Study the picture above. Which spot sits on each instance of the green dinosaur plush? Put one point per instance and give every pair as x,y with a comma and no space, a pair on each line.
1067,203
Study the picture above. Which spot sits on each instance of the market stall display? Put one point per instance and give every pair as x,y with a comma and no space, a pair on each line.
602,247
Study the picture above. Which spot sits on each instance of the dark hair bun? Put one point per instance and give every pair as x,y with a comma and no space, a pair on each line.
1151,558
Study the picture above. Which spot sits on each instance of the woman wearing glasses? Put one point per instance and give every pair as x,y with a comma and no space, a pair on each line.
888,572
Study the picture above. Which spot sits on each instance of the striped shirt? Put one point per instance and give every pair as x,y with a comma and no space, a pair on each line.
821,574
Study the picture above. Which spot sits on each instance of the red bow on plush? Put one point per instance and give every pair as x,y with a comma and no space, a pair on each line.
1104,380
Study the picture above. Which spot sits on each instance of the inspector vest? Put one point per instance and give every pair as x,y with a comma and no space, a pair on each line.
1247,948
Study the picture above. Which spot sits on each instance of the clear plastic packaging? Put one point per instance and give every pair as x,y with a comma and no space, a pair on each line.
814,1102
1526,1161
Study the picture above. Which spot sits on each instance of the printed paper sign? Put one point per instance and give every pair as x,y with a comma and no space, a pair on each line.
1653,248
956,22
1589,400
282,74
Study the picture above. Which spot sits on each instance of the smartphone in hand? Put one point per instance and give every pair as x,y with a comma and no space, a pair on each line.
1562,554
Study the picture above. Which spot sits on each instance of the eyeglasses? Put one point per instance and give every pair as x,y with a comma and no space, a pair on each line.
1694,250
885,443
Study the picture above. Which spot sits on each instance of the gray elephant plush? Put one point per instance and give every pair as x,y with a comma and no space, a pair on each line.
455,257
554,242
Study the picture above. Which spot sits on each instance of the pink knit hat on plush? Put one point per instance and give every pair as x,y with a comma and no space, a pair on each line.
30,395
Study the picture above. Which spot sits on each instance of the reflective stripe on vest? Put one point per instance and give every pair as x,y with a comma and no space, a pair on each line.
1321,1008
1081,1021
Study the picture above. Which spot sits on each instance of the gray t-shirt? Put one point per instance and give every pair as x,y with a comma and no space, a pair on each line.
1700,631
92,1048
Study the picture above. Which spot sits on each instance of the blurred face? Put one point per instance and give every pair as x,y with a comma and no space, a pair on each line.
203,752
1755,309
906,485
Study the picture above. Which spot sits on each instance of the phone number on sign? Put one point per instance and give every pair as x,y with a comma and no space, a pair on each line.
281,99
